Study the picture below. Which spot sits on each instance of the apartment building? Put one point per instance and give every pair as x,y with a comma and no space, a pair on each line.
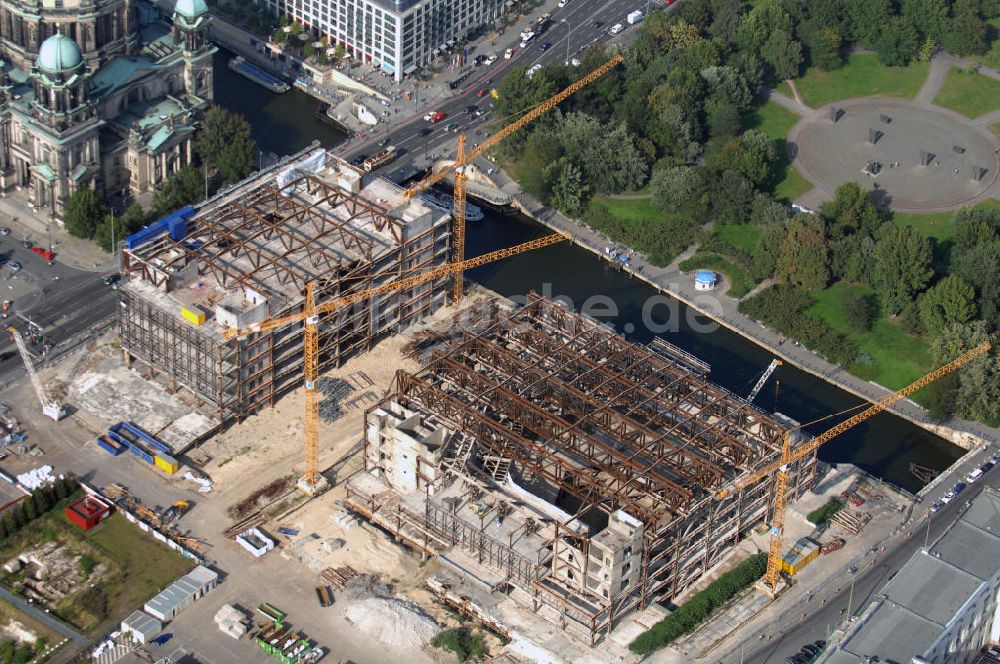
398,36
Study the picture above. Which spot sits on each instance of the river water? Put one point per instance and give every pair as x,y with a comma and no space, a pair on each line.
885,446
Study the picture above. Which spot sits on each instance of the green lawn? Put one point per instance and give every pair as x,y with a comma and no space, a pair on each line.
861,76
740,282
773,119
969,93
995,128
741,236
776,121
936,225
147,565
897,358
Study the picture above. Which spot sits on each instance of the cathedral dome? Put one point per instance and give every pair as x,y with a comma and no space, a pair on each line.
191,8
60,53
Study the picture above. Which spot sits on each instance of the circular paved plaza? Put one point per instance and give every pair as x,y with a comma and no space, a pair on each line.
963,163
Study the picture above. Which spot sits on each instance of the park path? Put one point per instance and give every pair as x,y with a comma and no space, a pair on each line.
630,197
991,118
933,82
793,105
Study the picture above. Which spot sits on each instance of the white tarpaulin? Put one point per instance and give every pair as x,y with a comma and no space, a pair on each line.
313,164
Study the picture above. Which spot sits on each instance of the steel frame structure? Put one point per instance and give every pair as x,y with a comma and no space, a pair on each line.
264,240
611,425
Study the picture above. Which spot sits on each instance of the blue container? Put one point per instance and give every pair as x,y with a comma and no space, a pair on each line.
109,446
142,437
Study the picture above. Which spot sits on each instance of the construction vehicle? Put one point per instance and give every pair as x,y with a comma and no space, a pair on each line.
311,482
175,511
779,469
775,363
463,159
50,407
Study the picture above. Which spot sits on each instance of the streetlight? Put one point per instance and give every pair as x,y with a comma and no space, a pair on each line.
569,30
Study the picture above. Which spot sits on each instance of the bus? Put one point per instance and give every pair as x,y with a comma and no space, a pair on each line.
380,159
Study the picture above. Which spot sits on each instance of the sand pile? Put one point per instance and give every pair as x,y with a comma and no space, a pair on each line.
393,622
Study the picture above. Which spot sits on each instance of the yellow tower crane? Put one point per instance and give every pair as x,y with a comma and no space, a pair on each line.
788,456
310,316
463,158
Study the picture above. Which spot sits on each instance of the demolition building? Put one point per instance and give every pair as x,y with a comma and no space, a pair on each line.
553,460
248,254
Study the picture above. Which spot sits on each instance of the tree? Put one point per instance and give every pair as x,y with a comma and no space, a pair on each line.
783,54
87,565
722,117
858,311
929,17
308,50
41,501
967,35
951,300
765,211
865,19
30,511
677,188
731,197
84,210
224,140
279,36
902,266
977,396
569,193
541,149
852,211
824,48
339,52
898,42
133,219
979,265
767,251
185,187
803,259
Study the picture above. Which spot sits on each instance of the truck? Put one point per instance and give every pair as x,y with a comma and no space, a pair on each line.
543,23
634,17
833,545
526,38
325,596
615,29
437,117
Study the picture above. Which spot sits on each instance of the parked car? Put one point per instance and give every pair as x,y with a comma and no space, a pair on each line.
14,266
936,505
491,59
508,54
987,466
958,488
809,650
44,253
4,231
974,475
562,3
482,92
995,459
111,279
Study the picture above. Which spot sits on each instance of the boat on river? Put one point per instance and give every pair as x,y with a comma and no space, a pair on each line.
447,204
245,68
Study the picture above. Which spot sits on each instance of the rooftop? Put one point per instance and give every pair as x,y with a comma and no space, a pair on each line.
308,219
930,589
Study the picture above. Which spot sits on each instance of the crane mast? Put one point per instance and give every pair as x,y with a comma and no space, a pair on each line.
781,467
775,363
50,408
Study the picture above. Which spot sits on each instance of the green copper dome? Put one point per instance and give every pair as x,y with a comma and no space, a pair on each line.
59,54
191,8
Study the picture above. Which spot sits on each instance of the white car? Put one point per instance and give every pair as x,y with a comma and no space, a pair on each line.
508,54
491,59
995,459
948,497
974,475
575,62
430,114
562,3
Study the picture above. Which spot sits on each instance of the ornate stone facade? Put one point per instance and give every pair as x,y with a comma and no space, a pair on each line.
99,93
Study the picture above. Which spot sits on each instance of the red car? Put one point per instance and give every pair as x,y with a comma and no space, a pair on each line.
482,92
44,253
437,117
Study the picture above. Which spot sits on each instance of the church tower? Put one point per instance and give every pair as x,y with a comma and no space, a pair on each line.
191,24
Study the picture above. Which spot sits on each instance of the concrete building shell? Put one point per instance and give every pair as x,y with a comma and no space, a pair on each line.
573,468
248,254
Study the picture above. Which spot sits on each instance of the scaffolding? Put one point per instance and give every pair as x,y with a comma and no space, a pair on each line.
249,254
578,466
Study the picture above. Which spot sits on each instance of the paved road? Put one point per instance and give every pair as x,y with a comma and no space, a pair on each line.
574,28
46,619
790,635
63,300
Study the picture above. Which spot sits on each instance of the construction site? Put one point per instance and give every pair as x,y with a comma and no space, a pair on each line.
248,254
546,456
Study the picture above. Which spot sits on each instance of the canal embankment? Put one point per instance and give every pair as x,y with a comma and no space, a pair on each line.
723,310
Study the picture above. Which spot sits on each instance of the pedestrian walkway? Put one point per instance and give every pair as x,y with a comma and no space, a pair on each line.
793,105
40,230
935,79
724,311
